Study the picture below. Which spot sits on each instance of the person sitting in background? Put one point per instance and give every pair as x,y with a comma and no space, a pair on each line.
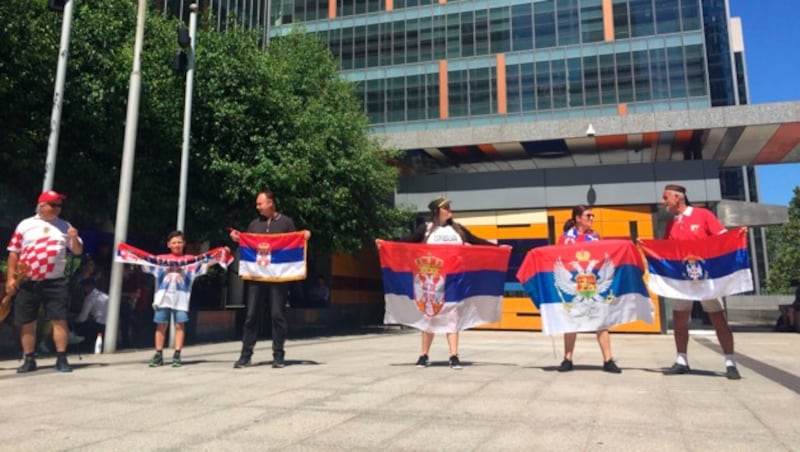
92,318
319,292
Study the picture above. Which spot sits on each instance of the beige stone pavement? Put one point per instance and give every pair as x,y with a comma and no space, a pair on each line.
363,393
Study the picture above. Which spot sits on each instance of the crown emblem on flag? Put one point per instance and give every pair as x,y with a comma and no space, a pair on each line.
583,256
263,247
429,264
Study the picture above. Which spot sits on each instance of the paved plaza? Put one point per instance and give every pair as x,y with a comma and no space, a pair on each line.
363,393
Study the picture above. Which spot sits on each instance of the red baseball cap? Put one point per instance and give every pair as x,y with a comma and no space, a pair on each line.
50,196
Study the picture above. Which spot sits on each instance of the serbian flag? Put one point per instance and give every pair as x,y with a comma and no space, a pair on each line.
272,257
128,254
442,288
587,286
701,269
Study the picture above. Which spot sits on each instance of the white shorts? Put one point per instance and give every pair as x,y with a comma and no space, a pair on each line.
712,305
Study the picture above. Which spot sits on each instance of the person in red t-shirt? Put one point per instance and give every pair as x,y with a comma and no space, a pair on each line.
576,230
695,223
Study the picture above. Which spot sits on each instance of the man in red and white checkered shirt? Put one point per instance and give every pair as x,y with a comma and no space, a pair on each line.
39,248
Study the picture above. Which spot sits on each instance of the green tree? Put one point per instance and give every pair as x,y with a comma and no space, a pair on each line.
280,119
783,244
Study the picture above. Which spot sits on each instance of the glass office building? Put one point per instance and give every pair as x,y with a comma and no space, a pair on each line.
417,63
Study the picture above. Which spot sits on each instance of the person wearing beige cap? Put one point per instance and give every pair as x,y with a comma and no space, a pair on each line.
39,246
442,229
689,223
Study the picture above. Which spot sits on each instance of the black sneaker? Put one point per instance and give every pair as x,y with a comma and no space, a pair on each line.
566,366
176,360
611,367
678,369
278,363
455,363
29,365
156,360
423,361
732,373
243,361
62,365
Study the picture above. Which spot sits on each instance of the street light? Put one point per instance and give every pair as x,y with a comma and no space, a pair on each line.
125,182
64,6
187,114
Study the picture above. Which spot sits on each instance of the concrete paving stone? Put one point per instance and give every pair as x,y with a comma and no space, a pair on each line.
75,438
368,431
290,398
564,436
138,440
652,438
730,441
439,434
223,419
494,408
414,404
734,420
293,426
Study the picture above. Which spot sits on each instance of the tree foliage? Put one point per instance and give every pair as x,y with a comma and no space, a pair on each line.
783,244
279,119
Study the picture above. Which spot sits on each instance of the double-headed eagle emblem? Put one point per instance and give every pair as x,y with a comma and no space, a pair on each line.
429,285
583,283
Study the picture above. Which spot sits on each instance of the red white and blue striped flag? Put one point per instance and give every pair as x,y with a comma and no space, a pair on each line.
272,257
701,269
442,288
586,286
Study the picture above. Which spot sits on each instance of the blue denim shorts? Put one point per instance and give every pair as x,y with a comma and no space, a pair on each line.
162,315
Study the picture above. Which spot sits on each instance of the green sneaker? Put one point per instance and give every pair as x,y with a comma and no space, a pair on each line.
157,360
176,359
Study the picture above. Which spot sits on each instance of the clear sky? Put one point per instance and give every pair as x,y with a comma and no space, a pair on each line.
772,49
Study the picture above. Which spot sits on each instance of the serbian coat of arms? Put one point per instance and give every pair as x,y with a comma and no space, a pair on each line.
583,283
263,254
429,284
694,268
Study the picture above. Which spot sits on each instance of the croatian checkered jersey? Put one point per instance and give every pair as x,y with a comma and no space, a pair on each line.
42,245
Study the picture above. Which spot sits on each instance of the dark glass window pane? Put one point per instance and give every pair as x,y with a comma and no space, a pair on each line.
667,19
396,99
373,45
467,34
359,47
559,83
591,80
440,37
458,93
398,43
522,27
658,74
592,21
425,39
453,36
690,15
568,22
608,82
641,75
375,101
347,48
624,77
622,28
432,95
575,74
500,30
415,94
480,91
641,14
386,44
513,92
528,87
696,70
412,40
544,24
677,73
544,97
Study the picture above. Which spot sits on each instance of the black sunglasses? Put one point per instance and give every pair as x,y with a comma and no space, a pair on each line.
55,205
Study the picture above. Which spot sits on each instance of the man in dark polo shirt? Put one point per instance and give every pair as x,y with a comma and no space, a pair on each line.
269,221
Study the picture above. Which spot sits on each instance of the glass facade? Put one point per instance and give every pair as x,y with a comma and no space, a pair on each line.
423,61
